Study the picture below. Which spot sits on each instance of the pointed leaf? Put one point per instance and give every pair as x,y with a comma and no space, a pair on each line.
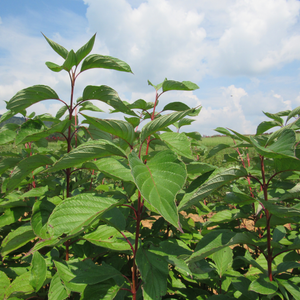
8,163
86,152
17,238
154,272
25,167
171,85
115,167
263,286
87,272
161,123
159,182
61,112
70,61
217,240
107,95
178,142
40,214
57,48
141,104
283,147
57,290
20,286
122,129
185,122
85,49
265,126
109,237
223,260
104,62
8,133
295,112
217,149
54,67
177,106
212,184
4,283
105,291
26,97
87,105
38,271
275,117
57,128
75,214
290,287
28,128
66,275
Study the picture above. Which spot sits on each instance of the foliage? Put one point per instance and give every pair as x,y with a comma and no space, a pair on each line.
118,210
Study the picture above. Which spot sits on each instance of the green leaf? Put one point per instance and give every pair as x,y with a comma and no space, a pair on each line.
223,260
66,275
198,168
25,167
264,126
154,272
104,62
87,105
295,112
53,67
17,238
8,133
178,142
57,290
11,215
157,87
185,122
75,214
217,240
134,121
86,152
263,286
87,272
40,214
161,123
60,127
279,233
4,283
290,287
19,286
174,251
26,97
122,129
211,185
275,117
85,49
106,291
194,135
115,167
70,61
38,271
141,104
57,48
177,106
109,237
107,95
283,147
159,182
294,126
171,85
61,112
28,128
217,149
8,163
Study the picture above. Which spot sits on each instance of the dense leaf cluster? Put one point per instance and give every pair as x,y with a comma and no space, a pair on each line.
129,209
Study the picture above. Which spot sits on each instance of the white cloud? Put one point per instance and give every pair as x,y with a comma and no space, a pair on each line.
260,37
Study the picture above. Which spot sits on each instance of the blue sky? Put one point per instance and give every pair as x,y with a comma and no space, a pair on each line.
244,55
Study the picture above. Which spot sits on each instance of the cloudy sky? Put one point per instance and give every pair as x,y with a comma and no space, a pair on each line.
243,54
